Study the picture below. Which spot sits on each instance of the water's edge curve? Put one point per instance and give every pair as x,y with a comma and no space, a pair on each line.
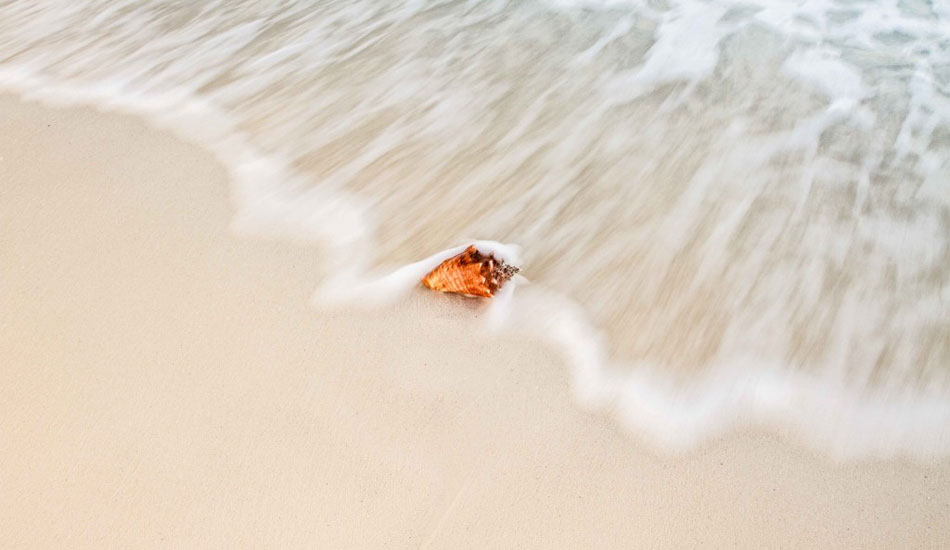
824,414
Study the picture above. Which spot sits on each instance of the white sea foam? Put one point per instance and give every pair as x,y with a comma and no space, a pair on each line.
824,70
684,51
785,206
357,286
820,411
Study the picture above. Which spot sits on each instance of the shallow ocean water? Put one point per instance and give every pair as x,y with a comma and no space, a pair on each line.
729,211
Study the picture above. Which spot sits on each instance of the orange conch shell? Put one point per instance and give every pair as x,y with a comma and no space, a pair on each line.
471,273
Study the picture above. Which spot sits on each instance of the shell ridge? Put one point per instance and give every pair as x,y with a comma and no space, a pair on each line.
471,273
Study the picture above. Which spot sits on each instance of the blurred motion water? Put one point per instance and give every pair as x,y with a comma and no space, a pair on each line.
725,188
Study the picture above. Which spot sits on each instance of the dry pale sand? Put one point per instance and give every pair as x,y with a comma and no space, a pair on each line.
166,384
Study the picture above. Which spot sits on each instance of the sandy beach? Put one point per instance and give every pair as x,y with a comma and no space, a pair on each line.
165,383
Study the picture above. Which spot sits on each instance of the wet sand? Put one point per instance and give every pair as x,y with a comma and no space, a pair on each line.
166,384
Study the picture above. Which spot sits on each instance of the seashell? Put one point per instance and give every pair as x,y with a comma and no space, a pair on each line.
471,273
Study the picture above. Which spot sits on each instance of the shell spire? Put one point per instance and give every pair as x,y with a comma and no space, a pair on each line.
471,273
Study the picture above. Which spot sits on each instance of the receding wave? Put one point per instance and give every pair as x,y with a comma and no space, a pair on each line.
731,212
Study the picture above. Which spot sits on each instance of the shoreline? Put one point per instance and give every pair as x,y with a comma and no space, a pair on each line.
822,412
172,385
